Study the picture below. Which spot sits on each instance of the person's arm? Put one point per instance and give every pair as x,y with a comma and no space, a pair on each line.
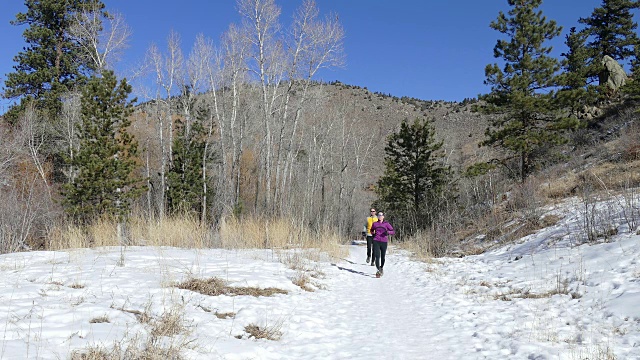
390,230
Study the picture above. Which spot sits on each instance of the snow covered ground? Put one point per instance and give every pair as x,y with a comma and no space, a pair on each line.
542,298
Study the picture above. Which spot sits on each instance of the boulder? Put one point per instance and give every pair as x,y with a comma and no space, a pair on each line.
589,112
615,74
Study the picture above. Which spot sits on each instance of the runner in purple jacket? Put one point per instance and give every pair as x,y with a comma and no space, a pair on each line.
380,230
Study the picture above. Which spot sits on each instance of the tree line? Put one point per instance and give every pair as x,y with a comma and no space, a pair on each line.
234,127
535,100
241,127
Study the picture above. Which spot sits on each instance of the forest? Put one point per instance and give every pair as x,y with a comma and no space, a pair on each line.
242,146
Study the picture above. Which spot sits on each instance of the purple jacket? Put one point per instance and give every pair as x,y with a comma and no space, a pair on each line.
380,230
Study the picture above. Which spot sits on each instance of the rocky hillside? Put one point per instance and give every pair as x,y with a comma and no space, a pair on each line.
455,123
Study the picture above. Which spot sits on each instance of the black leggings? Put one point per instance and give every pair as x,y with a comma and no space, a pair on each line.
369,246
379,250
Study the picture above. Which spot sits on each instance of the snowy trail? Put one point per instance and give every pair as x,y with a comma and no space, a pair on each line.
369,318
498,305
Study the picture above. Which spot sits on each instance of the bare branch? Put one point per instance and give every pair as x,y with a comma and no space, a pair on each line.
102,42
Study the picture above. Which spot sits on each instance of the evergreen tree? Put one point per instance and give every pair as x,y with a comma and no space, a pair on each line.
184,179
415,175
521,95
576,92
632,87
49,65
613,32
104,183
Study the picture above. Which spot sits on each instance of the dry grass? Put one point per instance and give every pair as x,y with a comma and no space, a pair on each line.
562,288
606,175
172,231
69,237
169,323
515,216
95,353
130,351
593,352
305,260
294,259
303,281
165,338
225,315
188,232
216,286
418,249
142,316
473,249
265,332
255,233
549,220
100,320
219,315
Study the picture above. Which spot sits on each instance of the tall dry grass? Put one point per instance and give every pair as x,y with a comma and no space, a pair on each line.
282,233
171,231
187,232
177,231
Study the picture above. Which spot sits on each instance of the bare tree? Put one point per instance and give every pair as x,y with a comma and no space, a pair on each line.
102,42
168,71
34,135
284,65
314,45
25,196
262,28
228,78
200,65
70,118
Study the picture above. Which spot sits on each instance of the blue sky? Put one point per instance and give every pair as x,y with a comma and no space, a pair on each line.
431,50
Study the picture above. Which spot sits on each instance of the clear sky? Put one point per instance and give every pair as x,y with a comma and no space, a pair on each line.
431,50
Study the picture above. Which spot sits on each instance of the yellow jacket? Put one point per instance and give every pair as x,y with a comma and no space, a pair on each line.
370,221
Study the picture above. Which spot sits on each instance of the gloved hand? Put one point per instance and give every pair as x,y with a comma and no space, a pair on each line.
364,234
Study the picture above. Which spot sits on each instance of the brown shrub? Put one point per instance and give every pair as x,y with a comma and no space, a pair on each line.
265,332
216,286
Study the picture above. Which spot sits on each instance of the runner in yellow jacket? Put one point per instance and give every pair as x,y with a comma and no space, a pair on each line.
367,232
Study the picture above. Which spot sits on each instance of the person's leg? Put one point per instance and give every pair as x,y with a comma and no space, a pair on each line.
369,247
383,251
376,253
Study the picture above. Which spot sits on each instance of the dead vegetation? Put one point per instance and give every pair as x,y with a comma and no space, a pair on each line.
170,323
215,286
99,320
219,315
526,294
132,351
561,288
225,315
150,346
280,234
177,231
263,332
303,281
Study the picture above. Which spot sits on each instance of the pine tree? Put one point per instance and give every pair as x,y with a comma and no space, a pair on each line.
184,179
49,65
613,32
632,87
104,183
415,175
576,92
521,95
